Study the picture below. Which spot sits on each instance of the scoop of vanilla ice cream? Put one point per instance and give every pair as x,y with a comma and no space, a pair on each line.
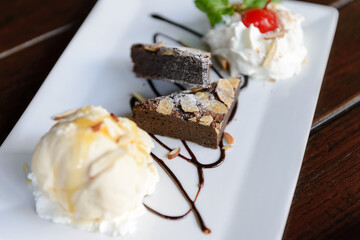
92,170
246,48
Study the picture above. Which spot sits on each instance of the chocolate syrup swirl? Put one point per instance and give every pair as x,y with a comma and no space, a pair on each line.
156,16
184,193
193,159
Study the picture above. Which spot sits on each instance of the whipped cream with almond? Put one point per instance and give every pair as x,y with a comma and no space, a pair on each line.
275,55
92,171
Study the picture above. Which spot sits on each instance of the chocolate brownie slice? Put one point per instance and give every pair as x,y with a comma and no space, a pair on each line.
198,115
175,64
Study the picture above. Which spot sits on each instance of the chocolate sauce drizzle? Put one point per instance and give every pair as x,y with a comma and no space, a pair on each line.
156,16
193,159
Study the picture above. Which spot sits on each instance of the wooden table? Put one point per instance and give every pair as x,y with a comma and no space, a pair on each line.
326,204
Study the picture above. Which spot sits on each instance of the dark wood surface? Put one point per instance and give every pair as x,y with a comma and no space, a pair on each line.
326,203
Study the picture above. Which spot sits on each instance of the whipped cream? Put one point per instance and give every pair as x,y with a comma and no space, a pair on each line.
247,48
92,171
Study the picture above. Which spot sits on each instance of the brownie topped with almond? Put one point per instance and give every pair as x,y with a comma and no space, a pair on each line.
198,115
175,64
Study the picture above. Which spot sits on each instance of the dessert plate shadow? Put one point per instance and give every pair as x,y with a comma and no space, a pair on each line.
247,197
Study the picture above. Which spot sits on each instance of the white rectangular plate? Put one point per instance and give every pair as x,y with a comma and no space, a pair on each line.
248,197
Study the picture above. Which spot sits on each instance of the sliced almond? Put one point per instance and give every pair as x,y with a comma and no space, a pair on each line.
216,106
234,82
139,97
229,138
279,34
174,153
270,54
188,104
168,51
225,92
165,107
199,94
26,170
114,117
206,120
96,127
227,147
217,131
195,89
223,62
203,96
154,47
193,119
65,114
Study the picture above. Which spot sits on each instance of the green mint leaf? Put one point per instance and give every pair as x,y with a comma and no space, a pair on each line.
214,9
